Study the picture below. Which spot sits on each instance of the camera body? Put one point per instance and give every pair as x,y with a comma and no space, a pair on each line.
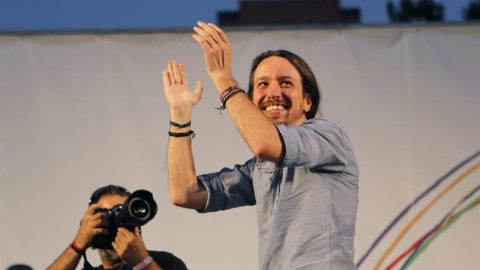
137,210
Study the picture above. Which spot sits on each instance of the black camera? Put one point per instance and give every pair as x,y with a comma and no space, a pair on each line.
137,210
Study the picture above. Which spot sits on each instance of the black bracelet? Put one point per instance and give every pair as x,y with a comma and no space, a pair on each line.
182,134
180,125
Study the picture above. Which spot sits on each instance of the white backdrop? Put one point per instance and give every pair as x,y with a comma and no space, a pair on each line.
80,111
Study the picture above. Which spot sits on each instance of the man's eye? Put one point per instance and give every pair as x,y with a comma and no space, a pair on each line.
262,84
286,83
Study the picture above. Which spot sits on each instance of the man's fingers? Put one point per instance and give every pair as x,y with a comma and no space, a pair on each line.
137,232
123,236
176,73
95,223
183,75
215,45
213,35
119,240
204,38
120,232
116,247
90,217
99,218
92,209
99,231
220,32
123,232
199,88
166,80
171,79
203,43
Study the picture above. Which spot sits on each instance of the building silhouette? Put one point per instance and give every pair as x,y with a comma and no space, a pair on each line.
289,12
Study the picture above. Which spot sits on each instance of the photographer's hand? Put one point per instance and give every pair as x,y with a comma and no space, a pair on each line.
91,226
130,246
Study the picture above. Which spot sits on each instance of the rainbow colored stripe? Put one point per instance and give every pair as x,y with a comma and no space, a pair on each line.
451,217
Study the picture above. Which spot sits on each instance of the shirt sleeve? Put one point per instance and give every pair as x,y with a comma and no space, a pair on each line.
229,188
318,143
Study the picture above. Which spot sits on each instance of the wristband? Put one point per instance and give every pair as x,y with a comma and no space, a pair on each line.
181,134
239,90
180,125
228,94
143,263
76,248
227,91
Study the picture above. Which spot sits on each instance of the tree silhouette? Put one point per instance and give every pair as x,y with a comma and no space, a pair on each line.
409,11
472,11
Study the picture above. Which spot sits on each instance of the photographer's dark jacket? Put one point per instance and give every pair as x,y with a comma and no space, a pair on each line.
164,259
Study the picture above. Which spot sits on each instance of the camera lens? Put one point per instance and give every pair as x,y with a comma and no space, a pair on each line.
139,208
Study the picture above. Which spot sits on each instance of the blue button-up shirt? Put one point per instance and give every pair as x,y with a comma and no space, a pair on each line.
306,205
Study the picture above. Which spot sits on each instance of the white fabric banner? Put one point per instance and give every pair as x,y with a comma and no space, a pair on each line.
81,111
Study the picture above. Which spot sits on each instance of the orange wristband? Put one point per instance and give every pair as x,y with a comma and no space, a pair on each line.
76,248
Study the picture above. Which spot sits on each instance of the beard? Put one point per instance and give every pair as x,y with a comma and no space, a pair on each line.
111,256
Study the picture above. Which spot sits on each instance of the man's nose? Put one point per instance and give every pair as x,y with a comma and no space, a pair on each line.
274,91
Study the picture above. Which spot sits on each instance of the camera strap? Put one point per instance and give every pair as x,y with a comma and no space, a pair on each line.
86,264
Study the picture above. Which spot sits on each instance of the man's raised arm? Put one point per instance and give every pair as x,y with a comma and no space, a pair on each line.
256,129
184,188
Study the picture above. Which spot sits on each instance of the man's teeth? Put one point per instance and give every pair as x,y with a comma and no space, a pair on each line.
274,108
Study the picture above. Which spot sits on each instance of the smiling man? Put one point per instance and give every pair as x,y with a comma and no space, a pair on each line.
303,177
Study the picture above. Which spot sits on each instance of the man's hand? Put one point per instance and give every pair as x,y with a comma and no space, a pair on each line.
218,54
90,227
130,246
176,88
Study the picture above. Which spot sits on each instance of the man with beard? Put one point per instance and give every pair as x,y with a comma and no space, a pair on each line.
129,251
303,176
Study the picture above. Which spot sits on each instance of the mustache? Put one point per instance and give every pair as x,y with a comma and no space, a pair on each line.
285,102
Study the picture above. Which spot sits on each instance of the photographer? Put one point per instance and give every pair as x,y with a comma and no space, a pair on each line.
127,251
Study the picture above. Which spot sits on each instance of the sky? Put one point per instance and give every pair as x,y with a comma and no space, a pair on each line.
73,15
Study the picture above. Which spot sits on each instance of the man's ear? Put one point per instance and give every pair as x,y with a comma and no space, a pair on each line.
307,104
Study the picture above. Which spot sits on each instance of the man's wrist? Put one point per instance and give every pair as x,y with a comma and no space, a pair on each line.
143,264
76,248
225,83
180,115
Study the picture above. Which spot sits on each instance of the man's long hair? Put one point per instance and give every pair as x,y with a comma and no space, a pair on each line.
309,83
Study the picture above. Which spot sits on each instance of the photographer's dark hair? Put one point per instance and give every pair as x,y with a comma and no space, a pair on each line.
310,86
108,190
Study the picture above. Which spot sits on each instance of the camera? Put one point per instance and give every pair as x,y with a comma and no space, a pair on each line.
137,210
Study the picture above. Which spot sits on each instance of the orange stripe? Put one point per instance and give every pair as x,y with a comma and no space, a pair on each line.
424,210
